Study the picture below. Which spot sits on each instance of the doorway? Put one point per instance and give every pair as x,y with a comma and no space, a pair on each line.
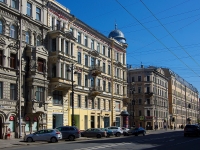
1,125
57,120
92,121
106,122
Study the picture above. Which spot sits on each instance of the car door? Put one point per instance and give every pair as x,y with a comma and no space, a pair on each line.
38,135
88,133
65,132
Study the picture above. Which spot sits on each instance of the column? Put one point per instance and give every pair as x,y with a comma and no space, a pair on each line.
58,67
69,48
64,70
63,50
58,45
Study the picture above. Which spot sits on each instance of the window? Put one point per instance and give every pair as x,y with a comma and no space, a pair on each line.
86,80
53,70
117,56
66,47
40,65
13,93
92,103
104,50
104,85
79,101
38,14
58,97
79,57
148,89
104,67
13,61
99,103
104,104
86,40
38,41
2,1
133,80
117,89
1,58
79,79
29,9
14,4
86,60
117,106
109,105
109,70
79,37
1,27
92,44
86,102
148,101
148,112
92,81
139,90
109,53
13,31
98,47
53,45
1,90
140,113
57,25
140,101
139,78
40,94
27,37
109,87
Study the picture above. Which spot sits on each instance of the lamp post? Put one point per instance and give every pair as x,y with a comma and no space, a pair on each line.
132,90
71,69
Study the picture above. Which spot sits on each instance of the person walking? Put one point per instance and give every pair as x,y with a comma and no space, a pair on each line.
8,134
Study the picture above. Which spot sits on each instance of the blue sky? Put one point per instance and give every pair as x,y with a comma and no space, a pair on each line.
162,33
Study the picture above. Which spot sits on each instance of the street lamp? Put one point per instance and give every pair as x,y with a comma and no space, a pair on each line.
132,90
71,69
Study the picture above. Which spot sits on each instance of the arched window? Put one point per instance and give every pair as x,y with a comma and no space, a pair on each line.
13,31
27,37
1,27
38,41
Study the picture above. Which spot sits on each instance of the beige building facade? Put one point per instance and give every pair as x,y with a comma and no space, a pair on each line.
148,93
99,72
183,100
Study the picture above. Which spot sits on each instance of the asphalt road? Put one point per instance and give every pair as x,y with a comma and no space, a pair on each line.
158,141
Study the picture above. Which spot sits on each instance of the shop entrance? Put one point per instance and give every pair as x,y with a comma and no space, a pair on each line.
57,120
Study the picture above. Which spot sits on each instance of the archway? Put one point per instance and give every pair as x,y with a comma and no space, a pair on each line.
1,125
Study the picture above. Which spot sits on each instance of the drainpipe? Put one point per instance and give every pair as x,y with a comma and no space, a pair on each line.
20,68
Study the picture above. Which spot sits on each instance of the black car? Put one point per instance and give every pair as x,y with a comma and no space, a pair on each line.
192,129
137,131
69,132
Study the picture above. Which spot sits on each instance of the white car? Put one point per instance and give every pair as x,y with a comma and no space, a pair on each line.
117,131
50,135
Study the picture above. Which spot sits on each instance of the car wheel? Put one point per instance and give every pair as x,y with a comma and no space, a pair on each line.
71,138
98,136
29,139
53,140
118,134
82,135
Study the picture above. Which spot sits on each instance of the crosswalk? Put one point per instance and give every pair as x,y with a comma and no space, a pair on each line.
103,146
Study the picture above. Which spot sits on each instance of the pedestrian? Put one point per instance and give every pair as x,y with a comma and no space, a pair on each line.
8,134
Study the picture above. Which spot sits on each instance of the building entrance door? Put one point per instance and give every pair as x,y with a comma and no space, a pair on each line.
1,125
57,120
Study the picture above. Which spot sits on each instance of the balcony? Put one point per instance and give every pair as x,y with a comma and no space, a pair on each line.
96,70
148,93
125,98
95,91
60,83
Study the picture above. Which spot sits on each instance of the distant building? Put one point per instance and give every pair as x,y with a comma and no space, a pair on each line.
183,100
148,93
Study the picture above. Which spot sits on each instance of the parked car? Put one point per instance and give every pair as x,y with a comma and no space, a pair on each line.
192,129
94,132
69,132
125,131
137,131
50,135
116,130
108,132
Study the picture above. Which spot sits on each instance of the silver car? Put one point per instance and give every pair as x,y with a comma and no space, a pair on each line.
116,130
50,135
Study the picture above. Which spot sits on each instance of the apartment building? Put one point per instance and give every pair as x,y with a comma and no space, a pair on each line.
183,100
148,92
96,66
22,89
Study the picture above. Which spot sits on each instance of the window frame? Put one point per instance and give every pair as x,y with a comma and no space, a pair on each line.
59,95
40,94
38,14
1,90
13,31
12,60
27,37
79,57
1,26
13,91
40,63
29,9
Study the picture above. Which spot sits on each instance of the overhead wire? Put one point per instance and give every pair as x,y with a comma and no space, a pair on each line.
156,37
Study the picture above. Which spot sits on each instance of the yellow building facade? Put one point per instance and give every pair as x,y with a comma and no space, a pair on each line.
99,73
